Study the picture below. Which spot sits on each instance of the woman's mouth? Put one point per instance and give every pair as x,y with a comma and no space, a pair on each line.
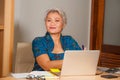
52,27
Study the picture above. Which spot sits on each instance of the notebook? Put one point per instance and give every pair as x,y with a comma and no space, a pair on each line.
80,62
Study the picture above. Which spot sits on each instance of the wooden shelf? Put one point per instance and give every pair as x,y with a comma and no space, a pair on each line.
1,27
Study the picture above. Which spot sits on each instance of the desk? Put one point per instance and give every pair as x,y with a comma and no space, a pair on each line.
97,77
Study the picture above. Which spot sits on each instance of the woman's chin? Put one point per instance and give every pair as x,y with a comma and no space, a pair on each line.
54,32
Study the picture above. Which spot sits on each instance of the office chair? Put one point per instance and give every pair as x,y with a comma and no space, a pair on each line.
24,59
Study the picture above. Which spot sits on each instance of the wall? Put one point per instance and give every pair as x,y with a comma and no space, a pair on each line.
29,19
112,22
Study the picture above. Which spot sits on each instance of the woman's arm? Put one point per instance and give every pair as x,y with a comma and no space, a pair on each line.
44,61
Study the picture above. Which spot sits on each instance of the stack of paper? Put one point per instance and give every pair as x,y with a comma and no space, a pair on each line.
44,73
19,75
35,73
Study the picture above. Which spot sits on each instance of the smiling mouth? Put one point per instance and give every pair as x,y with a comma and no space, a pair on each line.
52,27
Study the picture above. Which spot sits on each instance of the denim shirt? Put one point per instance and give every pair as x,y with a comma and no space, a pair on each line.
45,45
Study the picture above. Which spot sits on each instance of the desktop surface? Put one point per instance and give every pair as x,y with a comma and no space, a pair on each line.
96,77
103,73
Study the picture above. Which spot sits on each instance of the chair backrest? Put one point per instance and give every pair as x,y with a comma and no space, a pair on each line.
24,59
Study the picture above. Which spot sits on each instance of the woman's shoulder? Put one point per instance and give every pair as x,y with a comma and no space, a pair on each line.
39,39
67,37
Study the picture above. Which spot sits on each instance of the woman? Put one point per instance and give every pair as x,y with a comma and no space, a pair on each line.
49,49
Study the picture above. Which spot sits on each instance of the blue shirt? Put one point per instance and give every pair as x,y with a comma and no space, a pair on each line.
45,45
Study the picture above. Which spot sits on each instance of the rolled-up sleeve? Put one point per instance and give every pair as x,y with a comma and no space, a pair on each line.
39,47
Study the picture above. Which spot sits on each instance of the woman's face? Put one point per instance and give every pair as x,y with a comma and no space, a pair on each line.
54,23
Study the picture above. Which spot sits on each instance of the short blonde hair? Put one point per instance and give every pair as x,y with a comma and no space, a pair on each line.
60,12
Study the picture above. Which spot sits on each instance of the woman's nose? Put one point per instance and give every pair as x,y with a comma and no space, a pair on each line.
52,23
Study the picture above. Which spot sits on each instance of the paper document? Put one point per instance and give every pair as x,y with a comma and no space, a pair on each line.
19,75
45,73
35,73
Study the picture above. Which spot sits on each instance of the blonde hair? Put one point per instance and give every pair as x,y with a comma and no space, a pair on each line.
60,12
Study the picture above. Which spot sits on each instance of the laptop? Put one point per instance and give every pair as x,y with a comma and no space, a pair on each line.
80,62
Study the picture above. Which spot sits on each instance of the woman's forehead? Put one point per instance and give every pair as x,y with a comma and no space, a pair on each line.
55,14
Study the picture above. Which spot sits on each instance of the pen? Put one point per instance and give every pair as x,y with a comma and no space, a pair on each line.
82,47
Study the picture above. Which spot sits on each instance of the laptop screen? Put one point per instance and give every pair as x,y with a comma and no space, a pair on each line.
80,62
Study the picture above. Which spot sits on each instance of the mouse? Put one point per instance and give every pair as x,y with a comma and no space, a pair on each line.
109,76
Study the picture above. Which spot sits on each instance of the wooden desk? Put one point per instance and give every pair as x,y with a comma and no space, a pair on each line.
97,77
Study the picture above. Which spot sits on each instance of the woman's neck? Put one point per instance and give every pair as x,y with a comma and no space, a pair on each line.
57,44
55,37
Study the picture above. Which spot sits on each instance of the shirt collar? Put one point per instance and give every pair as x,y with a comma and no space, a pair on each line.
49,38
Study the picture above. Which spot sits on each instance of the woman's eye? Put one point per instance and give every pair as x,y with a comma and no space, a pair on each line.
48,20
57,20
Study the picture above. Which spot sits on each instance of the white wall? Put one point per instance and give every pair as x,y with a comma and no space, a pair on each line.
29,18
